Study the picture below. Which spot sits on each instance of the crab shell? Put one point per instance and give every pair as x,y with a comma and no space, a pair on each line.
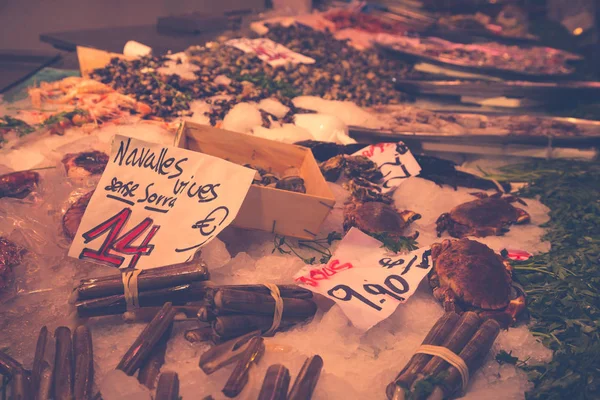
482,217
475,274
377,217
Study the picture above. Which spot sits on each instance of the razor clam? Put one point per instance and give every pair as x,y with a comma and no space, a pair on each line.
276,383
44,383
473,355
463,331
206,314
293,291
43,364
239,377
231,326
436,337
168,386
155,278
20,388
84,363
229,300
117,304
307,379
8,365
141,349
225,353
63,364
151,367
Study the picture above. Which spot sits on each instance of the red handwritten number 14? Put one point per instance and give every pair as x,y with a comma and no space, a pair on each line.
122,244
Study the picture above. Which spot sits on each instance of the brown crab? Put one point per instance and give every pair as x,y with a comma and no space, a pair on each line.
352,166
486,216
375,217
470,275
364,191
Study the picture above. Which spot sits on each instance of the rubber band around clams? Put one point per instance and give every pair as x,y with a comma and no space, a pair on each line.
450,357
130,288
278,308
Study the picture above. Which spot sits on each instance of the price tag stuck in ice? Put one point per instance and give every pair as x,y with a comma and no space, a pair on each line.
367,281
156,205
269,51
516,255
395,161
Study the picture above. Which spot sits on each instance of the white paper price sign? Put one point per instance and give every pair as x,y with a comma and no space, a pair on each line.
395,161
156,205
366,280
269,51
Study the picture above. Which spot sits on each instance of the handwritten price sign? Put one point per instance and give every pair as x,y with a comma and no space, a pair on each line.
366,281
395,161
269,51
157,205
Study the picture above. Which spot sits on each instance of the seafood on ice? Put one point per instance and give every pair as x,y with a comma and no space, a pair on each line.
469,274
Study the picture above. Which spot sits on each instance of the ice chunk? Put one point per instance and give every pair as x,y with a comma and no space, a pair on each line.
347,111
222,80
274,107
325,128
522,344
288,133
215,254
184,69
198,108
117,385
242,118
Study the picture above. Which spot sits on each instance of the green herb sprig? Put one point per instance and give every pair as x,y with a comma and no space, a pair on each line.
22,128
63,116
563,285
284,246
396,244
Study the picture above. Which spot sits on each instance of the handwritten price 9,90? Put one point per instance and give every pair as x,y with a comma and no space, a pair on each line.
119,244
396,285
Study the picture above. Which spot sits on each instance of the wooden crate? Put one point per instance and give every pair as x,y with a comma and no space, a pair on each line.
91,59
267,209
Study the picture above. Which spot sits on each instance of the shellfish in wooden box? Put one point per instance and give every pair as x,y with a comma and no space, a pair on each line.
266,208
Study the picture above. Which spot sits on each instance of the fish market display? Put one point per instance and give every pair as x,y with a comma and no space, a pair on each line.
471,274
533,61
228,306
230,322
489,215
